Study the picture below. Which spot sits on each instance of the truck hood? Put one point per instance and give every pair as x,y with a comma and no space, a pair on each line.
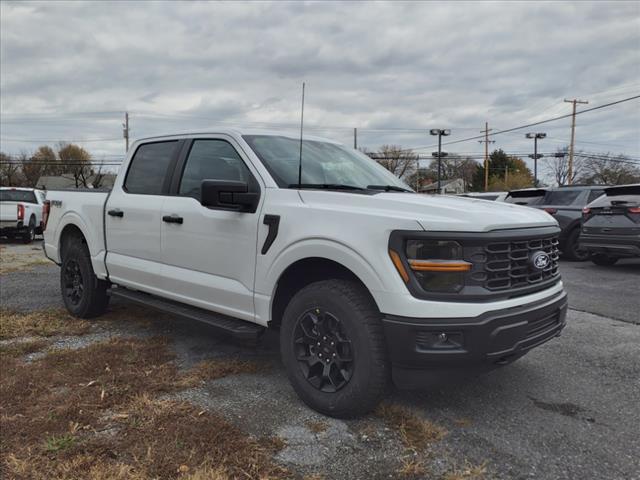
432,212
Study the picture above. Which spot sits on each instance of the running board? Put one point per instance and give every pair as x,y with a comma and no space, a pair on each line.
239,329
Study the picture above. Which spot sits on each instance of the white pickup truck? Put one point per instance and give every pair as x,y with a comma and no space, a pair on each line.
366,280
21,213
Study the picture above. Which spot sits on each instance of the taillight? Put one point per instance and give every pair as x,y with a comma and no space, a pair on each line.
634,210
551,211
45,214
20,211
634,214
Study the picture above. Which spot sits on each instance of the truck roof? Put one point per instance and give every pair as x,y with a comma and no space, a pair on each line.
237,132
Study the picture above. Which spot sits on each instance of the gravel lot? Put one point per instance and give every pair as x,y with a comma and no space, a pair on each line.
567,410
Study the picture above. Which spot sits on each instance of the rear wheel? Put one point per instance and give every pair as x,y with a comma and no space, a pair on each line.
571,250
603,260
332,345
30,234
84,295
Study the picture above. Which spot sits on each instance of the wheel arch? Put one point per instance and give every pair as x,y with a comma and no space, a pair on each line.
303,272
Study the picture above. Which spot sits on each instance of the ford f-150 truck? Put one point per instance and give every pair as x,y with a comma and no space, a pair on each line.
21,213
366,280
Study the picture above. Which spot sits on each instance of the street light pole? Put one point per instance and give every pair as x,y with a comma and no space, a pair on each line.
535,155
440,133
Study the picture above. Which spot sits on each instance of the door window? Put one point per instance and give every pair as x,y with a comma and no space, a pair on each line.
211,160
149,167
593,194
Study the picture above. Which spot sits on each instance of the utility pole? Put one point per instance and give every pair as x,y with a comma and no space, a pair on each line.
125,131
486,142
439,132
575,101
355,138
535,155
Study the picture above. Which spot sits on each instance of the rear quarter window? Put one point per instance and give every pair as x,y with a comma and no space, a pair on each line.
149,167
561,197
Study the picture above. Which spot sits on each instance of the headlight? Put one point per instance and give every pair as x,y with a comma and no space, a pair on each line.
437,265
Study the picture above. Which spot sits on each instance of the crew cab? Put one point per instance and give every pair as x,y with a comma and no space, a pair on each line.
21,213
366,281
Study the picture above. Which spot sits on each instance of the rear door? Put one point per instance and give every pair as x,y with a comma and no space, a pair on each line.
210,254
133,217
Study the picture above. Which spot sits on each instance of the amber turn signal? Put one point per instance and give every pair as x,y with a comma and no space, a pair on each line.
397,261
439,266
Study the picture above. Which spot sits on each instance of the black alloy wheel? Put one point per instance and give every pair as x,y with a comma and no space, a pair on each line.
73,283
324,351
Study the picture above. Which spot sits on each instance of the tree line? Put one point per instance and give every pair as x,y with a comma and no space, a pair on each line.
507,172
67,159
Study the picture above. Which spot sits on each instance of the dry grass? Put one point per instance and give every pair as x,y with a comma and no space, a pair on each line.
468,472
317,426
20,348
92,413
218,368
10,262
412,467
416,432
43,323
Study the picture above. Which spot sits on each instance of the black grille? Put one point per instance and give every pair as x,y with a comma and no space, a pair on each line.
508,264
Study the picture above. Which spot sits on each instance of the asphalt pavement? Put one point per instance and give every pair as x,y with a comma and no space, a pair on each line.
569,409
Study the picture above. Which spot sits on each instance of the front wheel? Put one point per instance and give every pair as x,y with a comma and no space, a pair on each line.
603,260
333,348
84,295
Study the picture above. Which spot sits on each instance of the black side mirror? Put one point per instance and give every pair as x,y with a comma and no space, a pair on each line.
228,195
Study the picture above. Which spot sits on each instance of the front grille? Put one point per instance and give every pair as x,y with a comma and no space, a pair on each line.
508,264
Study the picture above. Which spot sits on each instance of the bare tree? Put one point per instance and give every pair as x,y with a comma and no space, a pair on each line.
559,166
607,169
401,162
10,172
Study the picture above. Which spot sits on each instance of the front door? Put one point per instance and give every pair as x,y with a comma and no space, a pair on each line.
209,254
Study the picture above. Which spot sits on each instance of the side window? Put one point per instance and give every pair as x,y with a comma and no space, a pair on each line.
211,160
149,167
593,194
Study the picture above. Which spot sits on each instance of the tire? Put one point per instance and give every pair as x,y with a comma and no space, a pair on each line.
347,333
571,250
84,295
603,260
30,234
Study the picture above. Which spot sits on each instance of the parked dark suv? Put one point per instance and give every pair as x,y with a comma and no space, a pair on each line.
611,225
565,204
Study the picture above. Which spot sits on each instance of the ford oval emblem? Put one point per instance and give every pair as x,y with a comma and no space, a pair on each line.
540,260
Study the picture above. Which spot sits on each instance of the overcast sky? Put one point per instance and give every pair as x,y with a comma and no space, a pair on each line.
394,70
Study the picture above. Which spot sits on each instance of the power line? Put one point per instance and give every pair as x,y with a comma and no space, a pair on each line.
553,119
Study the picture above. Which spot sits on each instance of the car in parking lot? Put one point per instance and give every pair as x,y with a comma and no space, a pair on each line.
21,212
611,225
565,204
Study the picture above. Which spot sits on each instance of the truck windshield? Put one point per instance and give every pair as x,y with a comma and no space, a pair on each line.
324,165
26,196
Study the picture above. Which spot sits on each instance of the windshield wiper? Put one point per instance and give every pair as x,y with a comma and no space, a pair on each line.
388,188
326,186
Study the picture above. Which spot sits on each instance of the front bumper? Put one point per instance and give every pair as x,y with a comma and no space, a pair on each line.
611,245
426,350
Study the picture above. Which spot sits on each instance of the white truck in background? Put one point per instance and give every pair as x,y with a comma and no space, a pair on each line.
21,212
367,281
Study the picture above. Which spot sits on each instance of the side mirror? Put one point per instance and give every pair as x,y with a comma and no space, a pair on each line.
228,195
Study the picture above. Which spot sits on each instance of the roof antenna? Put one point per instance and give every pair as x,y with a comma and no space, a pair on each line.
301,127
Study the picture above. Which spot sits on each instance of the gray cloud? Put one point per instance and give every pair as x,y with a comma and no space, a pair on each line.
183,66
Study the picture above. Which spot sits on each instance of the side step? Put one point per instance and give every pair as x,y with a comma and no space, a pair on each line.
239,329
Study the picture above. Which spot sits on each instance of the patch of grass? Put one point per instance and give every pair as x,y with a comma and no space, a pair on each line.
412,467
468,472
111,386
416,432
10,263
18,349
317,426
43,323
56,443
218,368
